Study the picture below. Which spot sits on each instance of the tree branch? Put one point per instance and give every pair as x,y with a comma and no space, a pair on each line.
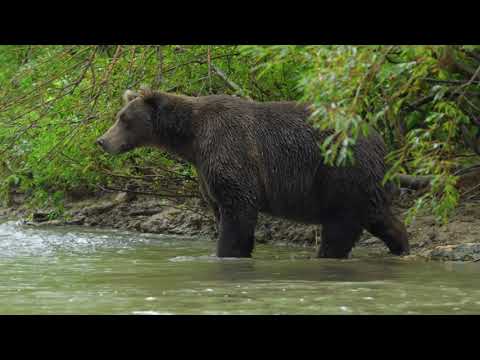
414,182
229,82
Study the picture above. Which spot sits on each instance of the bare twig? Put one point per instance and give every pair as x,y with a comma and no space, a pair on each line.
452,82
35,91
469,191
473,118
422,101
370,74
414,182
159,78
143,177
229,82
209,60
198,61
471,143
466,170
8,146
469,82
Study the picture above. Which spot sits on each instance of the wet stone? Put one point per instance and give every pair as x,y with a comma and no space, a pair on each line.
76,221
460,252
40,216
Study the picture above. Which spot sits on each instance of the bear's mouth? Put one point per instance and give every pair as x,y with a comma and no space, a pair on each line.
126,147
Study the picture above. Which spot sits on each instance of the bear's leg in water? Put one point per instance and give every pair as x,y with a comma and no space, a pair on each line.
237,230
338,239
206,197
392,232
216,213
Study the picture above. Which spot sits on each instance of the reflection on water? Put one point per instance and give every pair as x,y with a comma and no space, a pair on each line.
74,270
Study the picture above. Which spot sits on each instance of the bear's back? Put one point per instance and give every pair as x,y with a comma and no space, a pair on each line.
273,143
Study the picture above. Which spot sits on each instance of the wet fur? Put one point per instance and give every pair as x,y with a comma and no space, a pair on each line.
263,157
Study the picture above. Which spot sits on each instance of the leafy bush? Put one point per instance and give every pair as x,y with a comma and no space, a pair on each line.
56,100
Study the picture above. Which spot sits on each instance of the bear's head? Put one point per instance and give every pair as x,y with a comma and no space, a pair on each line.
148,119
133,126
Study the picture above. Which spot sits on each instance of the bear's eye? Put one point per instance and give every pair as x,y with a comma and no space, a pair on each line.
126,124
123,120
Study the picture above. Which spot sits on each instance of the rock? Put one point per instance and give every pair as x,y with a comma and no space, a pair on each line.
408,258
460,252
144,212
17,198
264,234
91,222
156,224
369,241
134,225
55,222
194,221
98,209
4,212
40,216
177,221
43,223
124,197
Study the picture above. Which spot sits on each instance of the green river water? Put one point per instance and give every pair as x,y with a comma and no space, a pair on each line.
77,270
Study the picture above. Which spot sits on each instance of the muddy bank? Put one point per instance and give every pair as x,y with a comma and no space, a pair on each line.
459,240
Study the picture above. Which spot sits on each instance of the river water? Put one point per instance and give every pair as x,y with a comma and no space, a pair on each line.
77,270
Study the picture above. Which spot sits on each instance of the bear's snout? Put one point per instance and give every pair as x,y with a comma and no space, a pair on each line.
105,145
101,142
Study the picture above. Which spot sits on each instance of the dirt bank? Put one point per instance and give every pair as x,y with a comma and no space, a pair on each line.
459,240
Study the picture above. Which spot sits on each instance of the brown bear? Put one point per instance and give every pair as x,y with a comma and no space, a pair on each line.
256,157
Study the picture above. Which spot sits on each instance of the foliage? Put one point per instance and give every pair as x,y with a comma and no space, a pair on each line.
423,99
56,100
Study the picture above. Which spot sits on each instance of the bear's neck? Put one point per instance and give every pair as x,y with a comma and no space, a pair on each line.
172,126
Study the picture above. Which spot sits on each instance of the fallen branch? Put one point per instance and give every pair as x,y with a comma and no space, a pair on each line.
414,182
420,182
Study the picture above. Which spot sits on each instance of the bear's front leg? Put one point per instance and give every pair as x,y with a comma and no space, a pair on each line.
338,239
237,232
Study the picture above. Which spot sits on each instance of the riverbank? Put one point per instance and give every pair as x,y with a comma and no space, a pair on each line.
459,240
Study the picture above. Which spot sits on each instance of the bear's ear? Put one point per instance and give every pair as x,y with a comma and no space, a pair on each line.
129,95
145,92
152,98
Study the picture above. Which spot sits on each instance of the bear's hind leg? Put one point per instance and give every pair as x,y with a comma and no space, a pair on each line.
213,205
237,233
338,239
392,232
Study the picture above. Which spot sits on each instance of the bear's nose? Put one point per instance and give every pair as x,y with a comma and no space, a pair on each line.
100,142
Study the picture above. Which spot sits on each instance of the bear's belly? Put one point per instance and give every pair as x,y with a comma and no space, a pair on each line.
306,210
323,202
